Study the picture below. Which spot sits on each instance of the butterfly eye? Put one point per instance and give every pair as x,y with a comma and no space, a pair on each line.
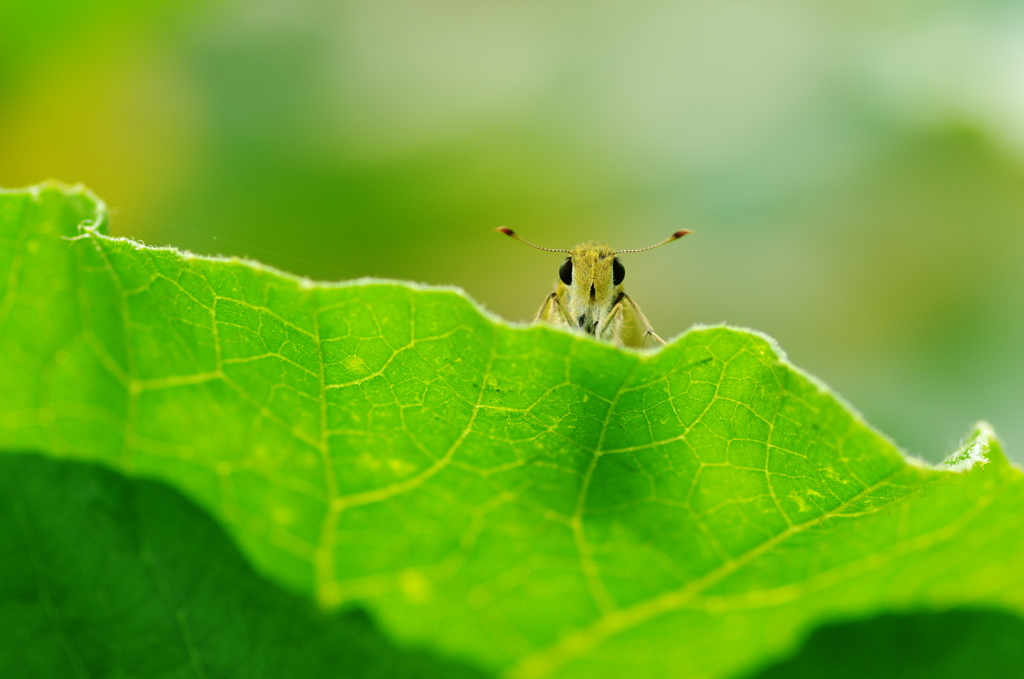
618,272
565,271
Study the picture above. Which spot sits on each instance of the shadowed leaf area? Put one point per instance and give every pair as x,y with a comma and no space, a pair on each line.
127,578
526,500
979,644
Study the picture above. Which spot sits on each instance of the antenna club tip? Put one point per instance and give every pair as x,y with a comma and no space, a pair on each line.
505,230
680,233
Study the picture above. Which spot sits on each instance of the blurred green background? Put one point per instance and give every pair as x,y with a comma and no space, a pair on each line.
854,170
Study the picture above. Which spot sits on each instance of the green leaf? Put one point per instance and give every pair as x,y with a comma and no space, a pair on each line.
128,579
980,644
528,500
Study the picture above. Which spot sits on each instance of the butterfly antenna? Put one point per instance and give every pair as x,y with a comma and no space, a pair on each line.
676,236
512,234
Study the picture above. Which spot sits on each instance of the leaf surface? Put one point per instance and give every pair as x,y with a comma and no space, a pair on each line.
524,499
126,578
